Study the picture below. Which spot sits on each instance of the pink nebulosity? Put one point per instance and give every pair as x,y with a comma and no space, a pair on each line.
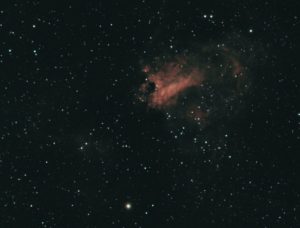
237,68
206,83
169,82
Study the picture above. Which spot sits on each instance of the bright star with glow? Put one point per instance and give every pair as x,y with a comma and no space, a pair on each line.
128,206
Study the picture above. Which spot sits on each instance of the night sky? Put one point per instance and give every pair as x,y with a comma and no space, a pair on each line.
149,114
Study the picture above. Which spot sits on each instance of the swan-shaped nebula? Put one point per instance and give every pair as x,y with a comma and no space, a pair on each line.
197,87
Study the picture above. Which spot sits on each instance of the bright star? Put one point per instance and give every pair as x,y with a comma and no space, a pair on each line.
128,206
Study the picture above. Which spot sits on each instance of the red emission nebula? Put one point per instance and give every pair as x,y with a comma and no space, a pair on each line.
166,84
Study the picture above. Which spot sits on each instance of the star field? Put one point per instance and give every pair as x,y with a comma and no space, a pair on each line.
101,127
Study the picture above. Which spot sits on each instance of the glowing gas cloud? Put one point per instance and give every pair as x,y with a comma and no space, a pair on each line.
168,83
195,86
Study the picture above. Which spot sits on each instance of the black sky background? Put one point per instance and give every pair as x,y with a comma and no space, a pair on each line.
75,147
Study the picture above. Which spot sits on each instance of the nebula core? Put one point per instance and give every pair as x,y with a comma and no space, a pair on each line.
196,86
169,82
